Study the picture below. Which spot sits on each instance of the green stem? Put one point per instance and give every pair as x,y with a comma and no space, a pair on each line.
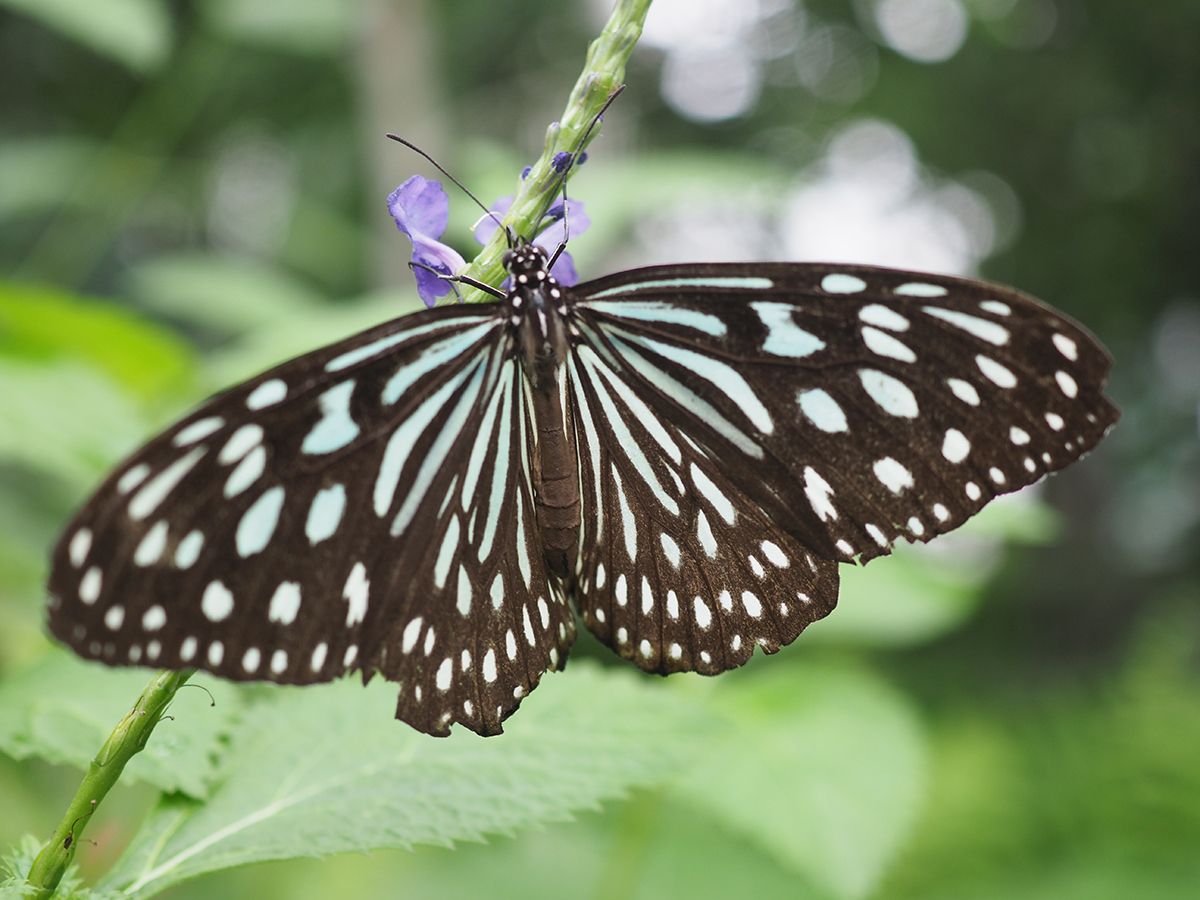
128,738
602,74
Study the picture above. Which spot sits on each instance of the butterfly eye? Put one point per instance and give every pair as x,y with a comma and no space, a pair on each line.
506,259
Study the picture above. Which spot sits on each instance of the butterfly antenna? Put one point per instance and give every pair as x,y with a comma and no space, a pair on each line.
571,164
462,187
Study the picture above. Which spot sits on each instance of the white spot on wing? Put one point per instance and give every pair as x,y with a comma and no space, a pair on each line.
198,431
885,345
1066,383
964,391
1066,346
256,527
883,317
1055,421
247,472
712,494
890,394
995,307
81,543
154,618
819,494
189,549
156,489
973,325
843,284
705,536
775,556
784,336
325,513
920,289
240,443
955,446
822,410
412,631
131,479
671,549
150,549
285,603
90,584
356,593
1018,436
995,373
661,313
114,617
217,602
893,475
336,428
267,394
251,658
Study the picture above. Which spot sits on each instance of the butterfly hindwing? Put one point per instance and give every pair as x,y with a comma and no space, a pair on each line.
678,570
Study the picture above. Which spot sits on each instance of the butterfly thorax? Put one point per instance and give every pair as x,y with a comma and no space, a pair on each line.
538,306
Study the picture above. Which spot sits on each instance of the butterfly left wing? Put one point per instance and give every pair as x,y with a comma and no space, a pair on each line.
352,509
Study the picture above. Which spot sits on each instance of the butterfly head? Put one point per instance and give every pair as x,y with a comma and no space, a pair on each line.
527,264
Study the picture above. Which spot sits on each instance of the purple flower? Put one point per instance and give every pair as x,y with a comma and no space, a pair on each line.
422,210
578,221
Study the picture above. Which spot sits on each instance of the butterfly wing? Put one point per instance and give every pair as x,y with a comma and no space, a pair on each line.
302,525
845,406
679,570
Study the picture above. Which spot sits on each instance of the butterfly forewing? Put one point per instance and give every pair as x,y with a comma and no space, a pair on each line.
855,404
310,522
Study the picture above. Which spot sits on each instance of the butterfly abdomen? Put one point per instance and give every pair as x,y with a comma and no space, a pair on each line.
542,339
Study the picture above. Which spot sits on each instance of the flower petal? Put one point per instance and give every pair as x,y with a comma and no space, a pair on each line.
421,210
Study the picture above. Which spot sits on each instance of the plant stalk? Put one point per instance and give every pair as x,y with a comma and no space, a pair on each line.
128,738
603,73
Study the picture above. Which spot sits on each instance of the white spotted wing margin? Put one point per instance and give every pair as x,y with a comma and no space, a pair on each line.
352,509
854,405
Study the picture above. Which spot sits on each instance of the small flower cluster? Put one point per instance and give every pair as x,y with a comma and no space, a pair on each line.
422,211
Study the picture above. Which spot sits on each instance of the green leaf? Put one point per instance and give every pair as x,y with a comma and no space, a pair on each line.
824,767
923,591
65,418
231,295
327,769
136,33
40,174
311,27
47,323
62,709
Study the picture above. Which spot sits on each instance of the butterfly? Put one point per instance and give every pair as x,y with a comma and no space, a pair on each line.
680,455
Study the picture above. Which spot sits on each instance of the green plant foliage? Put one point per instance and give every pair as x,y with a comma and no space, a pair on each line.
135,33
44,324
823,767
361,780
63,708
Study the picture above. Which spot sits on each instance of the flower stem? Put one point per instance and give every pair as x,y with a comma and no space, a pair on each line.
602,74
128,738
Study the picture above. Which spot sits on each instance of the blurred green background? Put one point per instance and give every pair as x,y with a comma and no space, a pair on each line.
192,190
